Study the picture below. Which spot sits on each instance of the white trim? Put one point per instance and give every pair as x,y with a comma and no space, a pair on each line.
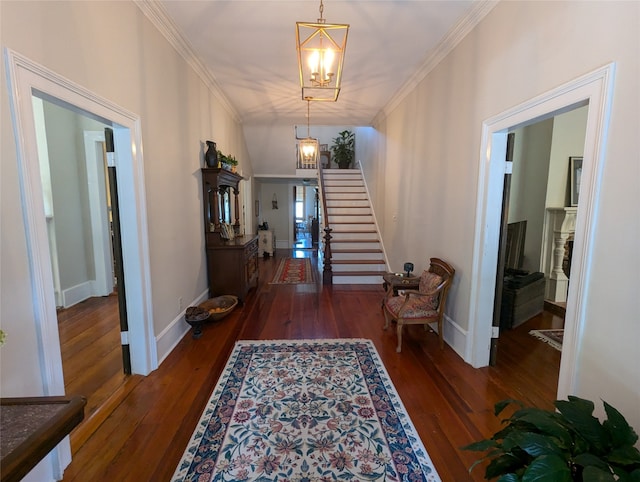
23,76
454,335
596,89
100,232
169,338
78,293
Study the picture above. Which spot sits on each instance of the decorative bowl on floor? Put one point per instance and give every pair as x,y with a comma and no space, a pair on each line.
220,306
196,317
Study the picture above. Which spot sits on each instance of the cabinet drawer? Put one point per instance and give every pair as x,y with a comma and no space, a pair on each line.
251,250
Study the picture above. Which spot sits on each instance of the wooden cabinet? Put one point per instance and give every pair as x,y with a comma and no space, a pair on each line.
232,264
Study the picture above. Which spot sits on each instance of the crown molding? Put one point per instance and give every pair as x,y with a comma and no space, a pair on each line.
158,16
478,11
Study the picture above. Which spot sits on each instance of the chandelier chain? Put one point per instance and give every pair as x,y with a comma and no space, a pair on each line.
321,19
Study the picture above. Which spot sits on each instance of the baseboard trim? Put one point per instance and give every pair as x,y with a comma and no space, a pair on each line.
455,336
167,340
76,294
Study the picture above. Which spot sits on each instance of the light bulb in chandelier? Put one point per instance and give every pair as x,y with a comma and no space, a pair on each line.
321,67
321,48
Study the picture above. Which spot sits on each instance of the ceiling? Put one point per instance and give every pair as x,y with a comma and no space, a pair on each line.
248,47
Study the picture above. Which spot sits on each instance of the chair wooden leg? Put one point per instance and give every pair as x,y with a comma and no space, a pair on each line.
386,319
399,330
440,334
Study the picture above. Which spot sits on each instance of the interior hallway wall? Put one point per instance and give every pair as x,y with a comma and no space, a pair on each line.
430,142
140,71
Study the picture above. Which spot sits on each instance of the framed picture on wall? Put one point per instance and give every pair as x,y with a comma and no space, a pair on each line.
575,177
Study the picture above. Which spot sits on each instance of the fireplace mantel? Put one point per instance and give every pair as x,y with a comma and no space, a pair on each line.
560,223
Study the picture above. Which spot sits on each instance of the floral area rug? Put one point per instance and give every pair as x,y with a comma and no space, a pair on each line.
552,337
293,271
305,410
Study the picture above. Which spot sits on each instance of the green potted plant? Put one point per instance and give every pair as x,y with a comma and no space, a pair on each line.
343,149
228,162
569,444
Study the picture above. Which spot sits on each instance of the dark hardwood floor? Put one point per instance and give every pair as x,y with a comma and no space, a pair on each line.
144,424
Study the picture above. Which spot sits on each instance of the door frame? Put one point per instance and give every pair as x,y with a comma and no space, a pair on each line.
100,233
24,76
596,90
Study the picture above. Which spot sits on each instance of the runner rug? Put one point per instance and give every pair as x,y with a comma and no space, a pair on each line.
305,410
552,337
293,271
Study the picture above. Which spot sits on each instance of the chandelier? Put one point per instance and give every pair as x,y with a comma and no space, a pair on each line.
321,47
308,146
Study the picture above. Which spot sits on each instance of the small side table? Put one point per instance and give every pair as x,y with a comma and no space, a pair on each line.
266,243
400,281
31,427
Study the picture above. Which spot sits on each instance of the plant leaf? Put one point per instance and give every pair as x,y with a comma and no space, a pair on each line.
586,405
578,413
534,444
586,460
624,456
509,478
501,405
504,464
619,430
546,469
622,475
481,445
549,423
635,475
594,474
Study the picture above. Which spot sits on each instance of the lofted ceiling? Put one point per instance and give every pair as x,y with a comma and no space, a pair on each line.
248,48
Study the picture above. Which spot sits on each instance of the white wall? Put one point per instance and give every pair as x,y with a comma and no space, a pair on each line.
568,141
112,49
429,155
280,220
277,146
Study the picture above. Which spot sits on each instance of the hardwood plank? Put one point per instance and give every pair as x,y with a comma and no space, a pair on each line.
450,402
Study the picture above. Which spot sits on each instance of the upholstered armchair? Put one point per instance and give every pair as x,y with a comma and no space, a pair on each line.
423,306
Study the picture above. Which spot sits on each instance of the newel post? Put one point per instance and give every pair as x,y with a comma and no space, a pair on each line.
327,274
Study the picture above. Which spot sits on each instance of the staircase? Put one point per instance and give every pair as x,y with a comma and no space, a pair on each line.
356,252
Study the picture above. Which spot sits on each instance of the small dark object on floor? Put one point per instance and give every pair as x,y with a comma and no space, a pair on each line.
196,317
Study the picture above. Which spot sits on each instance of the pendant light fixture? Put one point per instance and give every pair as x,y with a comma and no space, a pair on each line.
321,47
308,146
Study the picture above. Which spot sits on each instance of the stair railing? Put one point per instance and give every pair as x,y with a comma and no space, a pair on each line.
327,273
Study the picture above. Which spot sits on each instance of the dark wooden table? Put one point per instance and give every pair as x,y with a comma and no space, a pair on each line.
400,281
31,427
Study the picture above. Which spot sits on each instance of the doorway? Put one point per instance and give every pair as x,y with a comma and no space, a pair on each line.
26,78
596,90
79,218
305,216
536,188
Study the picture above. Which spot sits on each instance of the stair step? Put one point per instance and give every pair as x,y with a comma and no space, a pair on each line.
353,251
353,241
357,261
358,273
350,214
352,222
353,231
